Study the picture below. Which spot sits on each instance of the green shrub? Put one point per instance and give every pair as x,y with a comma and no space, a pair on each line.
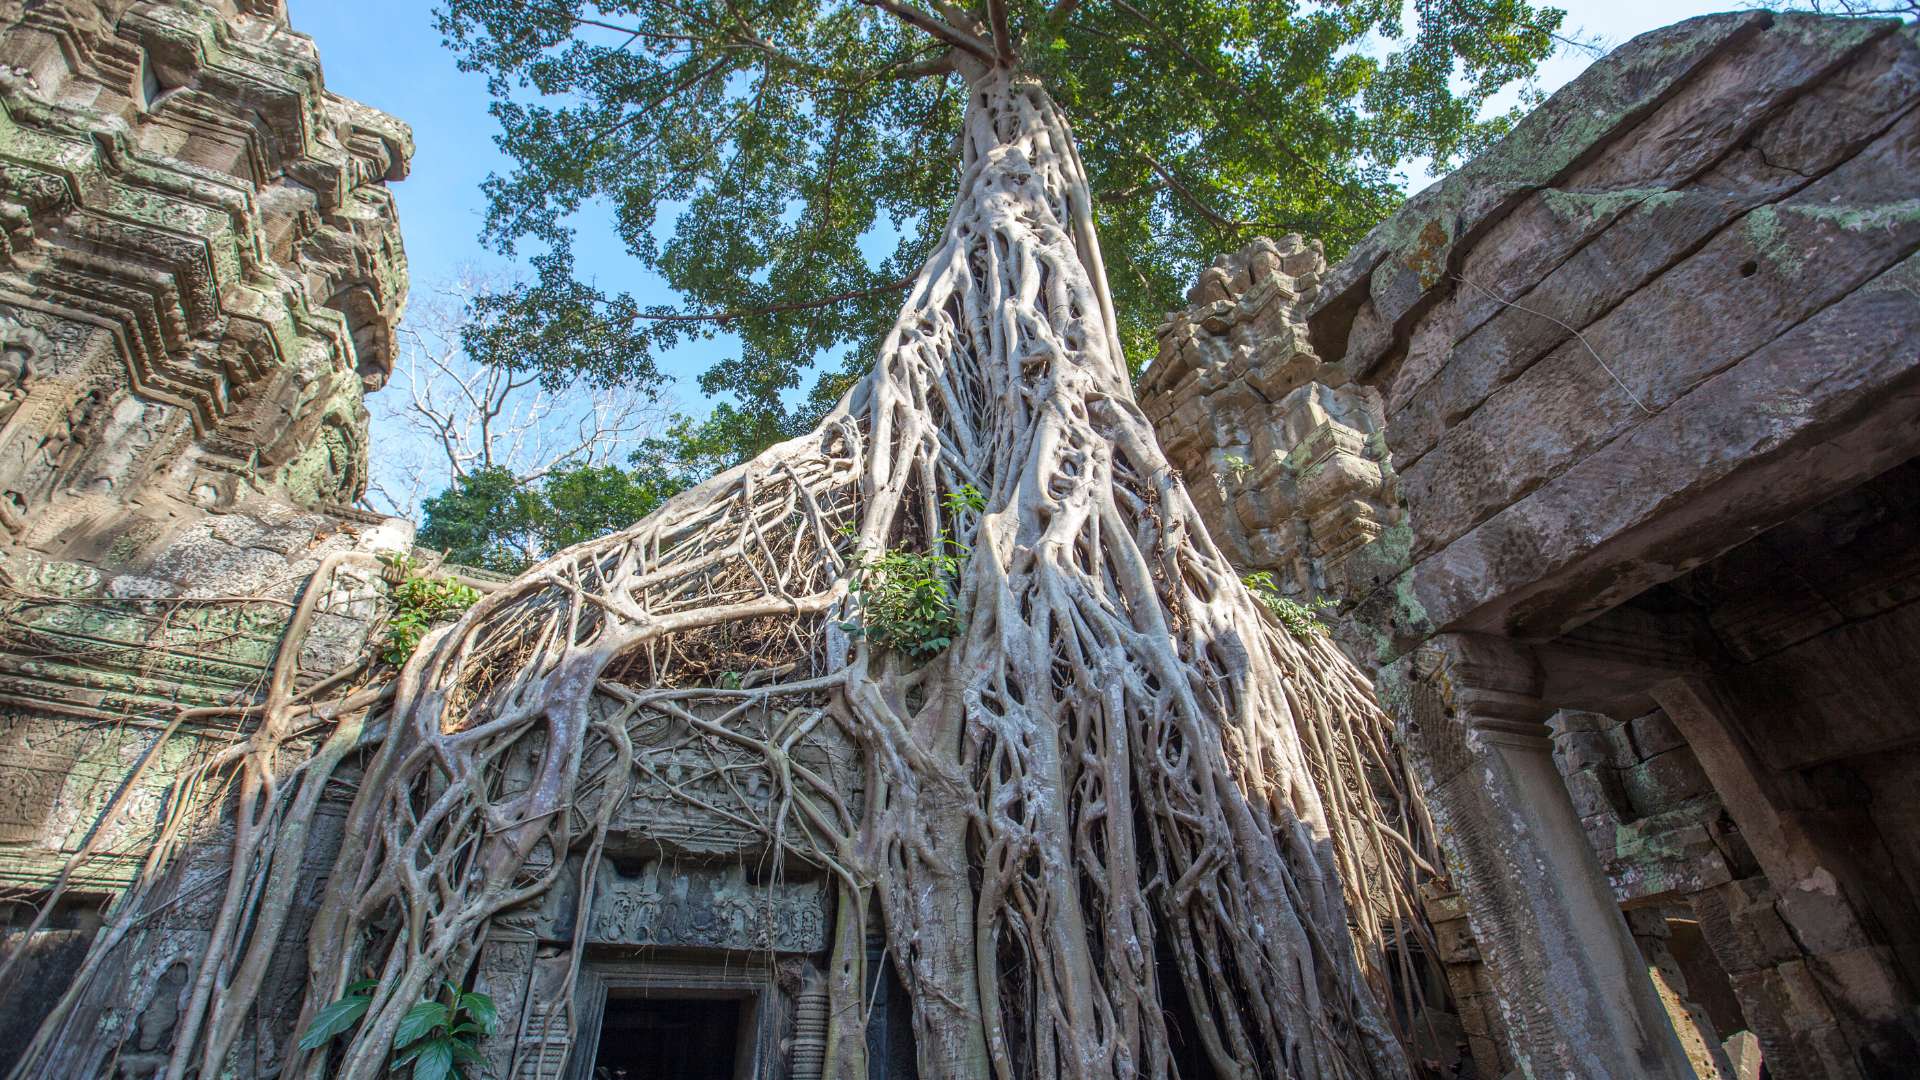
436,1038
1301,620
420,601
907,599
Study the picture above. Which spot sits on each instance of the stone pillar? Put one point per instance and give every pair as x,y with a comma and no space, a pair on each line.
1572,984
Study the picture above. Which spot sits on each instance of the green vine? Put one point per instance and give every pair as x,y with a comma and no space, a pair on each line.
420,601
1301,620
908,599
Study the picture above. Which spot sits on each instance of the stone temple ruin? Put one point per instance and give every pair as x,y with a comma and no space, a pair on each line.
202,274
1607,447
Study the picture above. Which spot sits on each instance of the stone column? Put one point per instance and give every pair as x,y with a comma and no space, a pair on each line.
1572,984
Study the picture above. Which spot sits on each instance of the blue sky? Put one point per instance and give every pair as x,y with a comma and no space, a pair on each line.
387,54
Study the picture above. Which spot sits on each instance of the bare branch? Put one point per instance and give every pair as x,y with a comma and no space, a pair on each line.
952,35
446,416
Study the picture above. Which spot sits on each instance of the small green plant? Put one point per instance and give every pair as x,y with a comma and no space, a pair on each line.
1301,620
1238,467
436,1038
907,599
339,1016
419,601
967,499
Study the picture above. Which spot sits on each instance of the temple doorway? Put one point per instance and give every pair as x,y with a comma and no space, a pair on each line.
644,1037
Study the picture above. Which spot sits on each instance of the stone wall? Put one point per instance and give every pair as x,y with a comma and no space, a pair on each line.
200,274
1635,397
1280,449
1692,259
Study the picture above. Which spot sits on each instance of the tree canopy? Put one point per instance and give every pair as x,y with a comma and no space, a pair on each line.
785,165
494,519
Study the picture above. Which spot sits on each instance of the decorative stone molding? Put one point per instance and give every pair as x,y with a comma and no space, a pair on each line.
201,267
200,275
1279,449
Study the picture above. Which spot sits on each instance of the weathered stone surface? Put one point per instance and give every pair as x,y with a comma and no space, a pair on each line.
200,272
1278,448
1389,273
1631,514
1649,373
1750,285
1610,243
203,268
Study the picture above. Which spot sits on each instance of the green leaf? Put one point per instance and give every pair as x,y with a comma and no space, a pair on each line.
465,1054
333,1020
435,1061
420,1020
405,1056
769,152
364,986
482,1009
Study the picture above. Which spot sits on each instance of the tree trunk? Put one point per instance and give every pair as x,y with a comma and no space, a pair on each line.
1119,749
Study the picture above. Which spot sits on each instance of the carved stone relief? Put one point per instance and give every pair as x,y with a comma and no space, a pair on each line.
712,907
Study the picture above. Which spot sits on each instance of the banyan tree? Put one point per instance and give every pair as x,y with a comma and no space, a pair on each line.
1100,778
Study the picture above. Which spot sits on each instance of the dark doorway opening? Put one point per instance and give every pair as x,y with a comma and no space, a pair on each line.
652,1038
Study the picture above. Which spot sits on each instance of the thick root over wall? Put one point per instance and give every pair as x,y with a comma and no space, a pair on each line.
1120,757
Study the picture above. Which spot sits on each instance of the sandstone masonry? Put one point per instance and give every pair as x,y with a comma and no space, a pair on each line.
200,274
1627,413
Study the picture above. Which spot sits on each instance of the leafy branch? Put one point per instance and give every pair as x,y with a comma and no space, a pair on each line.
908,600
436,1038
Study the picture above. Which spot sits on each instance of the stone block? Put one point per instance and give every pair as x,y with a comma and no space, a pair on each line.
1443,905
1743,1050
1733,846
1664,781
1821,918
1486,1053
1477,1013
1455,944
1866,978
1799,990
1603,832
1654,734
136,587
1584,748
1593,791
1743,932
